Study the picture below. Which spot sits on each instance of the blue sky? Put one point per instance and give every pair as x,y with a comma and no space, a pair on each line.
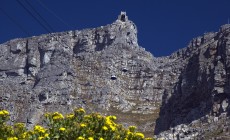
164,26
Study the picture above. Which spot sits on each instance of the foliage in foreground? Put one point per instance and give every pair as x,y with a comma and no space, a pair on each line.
74,126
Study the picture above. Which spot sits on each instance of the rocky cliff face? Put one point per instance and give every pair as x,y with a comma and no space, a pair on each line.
198,105
185,95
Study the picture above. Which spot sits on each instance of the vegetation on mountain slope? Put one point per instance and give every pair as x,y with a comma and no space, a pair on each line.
74,126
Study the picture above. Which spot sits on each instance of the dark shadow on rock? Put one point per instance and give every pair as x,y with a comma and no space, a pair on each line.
203,88
42,54
191,98
80,46
106,42
12,73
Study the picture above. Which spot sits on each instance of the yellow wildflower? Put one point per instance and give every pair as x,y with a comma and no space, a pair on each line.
24,135
99,116
40,138
56,113
108,121
101,139
90,138
47,115
80,138
5,112
87,116
81,110
107,117
39,128
46,135
112,127
83,125
61,116
12,138
42,130
105,128
62,129
70,116
129,133
19,125
139,135
112,117
1,113
57,116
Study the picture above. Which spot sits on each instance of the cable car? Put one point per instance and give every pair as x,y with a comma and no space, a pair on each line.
124,69
113,77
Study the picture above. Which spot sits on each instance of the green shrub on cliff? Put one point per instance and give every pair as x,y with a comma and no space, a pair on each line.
74,126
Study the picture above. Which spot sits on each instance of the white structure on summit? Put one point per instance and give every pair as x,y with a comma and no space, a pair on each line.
122,17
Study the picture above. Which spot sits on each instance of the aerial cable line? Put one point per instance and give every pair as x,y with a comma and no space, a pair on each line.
35,11
15,22
21,4
52,12
50,27
45,21
33,16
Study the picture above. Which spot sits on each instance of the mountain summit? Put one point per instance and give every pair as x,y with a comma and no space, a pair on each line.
182,96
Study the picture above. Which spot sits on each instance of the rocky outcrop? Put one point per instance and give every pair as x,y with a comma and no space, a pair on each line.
184,95
198,106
